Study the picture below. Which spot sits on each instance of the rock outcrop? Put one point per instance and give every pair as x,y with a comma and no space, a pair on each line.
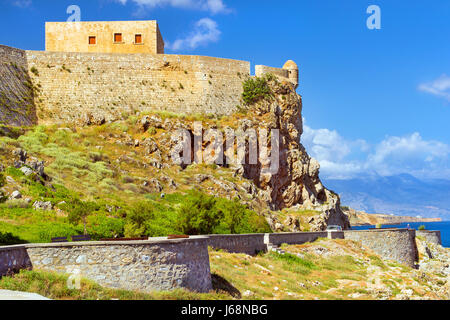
296,182
287,177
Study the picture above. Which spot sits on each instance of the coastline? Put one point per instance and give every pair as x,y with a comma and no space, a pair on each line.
361,218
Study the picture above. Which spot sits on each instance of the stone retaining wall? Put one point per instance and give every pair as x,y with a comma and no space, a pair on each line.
295,238
161,264
393,244
136,265
243,243
430,236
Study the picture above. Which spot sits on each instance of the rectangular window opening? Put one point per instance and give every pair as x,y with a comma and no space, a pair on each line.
92,40
117,37
138,38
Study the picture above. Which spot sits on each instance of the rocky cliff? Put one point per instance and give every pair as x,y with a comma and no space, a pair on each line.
296,183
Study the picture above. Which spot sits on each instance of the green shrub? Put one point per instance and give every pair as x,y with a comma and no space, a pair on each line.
15,203
65,159
137,219
13,172
422,228
101,226
49,230
35,71
294,263
238,219
256,89
199,214
79,211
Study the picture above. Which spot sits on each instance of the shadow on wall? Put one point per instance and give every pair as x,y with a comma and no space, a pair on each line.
14,259
17,91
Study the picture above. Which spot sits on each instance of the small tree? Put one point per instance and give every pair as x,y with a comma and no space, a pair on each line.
79,211
234,214
199,215
422,228
137,218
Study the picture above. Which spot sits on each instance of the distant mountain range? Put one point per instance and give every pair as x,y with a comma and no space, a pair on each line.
402,195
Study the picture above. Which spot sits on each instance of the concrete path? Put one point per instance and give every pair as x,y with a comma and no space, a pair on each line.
17,295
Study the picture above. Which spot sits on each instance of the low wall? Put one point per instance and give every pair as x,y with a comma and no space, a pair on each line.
242,243
295,238
393,244
161,264
430,236
136,265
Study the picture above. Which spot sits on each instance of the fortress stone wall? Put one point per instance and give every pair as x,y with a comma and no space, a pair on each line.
105,86
61,87
17,106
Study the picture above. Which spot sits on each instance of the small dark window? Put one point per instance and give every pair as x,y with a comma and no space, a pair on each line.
138,38
92,40
117,37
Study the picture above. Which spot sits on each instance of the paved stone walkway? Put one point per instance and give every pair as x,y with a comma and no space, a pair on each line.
17,295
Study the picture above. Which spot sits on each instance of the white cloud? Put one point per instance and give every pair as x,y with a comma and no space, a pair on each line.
213,6
22,3
411,154
343,159
439,87
205,31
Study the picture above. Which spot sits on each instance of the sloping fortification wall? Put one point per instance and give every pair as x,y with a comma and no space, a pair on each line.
396,244
136,265
430,236
104,86
16,90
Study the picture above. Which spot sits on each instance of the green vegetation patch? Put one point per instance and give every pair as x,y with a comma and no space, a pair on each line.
257,88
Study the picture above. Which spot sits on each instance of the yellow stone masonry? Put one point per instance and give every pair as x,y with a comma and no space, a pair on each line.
104,37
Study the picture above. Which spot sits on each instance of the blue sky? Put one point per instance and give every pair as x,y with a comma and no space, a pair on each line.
374,100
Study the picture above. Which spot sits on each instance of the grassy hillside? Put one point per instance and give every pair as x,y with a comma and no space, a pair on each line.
124,173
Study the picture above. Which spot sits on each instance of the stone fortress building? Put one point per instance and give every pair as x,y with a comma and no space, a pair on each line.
104,37
97,71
